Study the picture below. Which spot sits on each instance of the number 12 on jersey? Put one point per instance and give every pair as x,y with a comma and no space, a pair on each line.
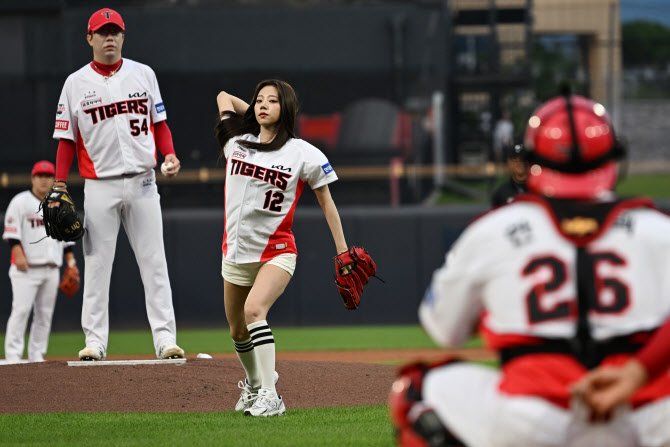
272,200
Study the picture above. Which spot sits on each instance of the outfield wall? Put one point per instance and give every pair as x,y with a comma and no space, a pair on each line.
408,244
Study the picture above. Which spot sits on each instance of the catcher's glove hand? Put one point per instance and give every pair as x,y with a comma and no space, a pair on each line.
70,282
61,222
353,269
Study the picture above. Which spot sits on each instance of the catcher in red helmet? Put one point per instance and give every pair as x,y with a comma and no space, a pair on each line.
572,147
564,282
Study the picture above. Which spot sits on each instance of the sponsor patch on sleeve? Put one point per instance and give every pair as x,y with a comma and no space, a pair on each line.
160,108
327,168
62,125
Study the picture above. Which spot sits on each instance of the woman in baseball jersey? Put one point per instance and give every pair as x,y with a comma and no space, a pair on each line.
34,270
267,168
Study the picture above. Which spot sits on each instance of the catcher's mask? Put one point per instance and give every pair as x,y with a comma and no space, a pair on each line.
572,149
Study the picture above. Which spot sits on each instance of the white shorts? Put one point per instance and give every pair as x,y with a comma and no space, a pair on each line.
245,274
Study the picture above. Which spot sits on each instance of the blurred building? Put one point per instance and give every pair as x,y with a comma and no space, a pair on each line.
366,72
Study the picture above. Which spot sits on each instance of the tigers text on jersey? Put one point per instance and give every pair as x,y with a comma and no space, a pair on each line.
515,263
262,191
24,223
111,119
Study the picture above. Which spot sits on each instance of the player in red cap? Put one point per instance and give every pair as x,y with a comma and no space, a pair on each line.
112,112
561,281
105,16
34,270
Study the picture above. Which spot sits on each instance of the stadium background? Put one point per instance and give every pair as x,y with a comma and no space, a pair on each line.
402,96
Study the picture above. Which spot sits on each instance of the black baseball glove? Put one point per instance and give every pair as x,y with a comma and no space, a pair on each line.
61,222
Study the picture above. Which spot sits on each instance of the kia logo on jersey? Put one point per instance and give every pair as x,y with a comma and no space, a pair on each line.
137,95
281,168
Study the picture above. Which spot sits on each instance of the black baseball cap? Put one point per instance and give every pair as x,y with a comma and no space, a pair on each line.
515,151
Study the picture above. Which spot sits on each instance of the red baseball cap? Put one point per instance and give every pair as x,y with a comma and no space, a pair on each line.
44,167
103,17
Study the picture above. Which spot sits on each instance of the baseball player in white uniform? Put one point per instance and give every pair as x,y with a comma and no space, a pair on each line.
561,281
112,113
267,169
34,270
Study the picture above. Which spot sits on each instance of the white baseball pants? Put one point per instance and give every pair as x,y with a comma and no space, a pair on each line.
135,202
34,290
466,398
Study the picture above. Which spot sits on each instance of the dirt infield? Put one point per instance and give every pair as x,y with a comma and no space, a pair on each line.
306,380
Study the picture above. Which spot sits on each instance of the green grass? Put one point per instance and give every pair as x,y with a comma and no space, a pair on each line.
288,339
333,426
656,186
343,426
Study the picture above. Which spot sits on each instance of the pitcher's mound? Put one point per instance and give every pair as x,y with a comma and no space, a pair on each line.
197,385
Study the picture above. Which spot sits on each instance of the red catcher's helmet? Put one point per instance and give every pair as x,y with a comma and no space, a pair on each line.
571,149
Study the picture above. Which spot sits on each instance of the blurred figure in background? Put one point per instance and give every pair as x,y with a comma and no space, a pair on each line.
503,135
515,158
34,270
562,281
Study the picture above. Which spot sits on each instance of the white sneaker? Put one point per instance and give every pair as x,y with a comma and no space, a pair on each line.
268,403
249,394
93,354
171,351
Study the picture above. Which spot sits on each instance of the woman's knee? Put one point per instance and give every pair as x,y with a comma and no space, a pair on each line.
239,333
254,312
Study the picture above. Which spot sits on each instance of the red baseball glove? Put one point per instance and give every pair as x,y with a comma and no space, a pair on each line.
353,269
70,282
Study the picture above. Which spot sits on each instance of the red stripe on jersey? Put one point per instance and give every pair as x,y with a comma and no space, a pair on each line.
495,341
86,168
153,134
224,246
283,234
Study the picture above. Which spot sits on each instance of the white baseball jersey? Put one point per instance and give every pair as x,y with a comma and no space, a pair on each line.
515,267
24,223
262,191
111,119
